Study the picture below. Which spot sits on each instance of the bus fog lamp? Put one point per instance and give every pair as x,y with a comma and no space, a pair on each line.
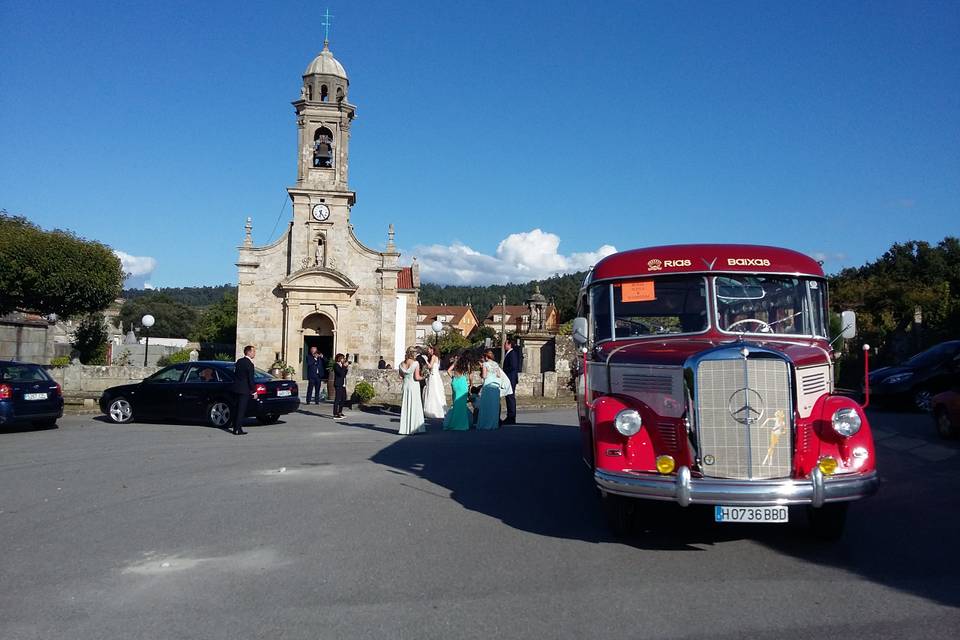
665,464
828,465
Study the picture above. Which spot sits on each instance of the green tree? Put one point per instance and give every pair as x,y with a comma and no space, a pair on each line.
480,334
54,271
451,342
173,319
90,339
218,324
887,293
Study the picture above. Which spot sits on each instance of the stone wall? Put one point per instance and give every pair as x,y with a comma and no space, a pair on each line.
388,385
89,380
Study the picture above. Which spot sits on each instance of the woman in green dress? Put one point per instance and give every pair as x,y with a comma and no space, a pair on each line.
489,417
458,417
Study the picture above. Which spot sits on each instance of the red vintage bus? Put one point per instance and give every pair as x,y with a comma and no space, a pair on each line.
707,378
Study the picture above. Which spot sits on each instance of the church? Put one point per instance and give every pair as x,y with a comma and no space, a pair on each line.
318,285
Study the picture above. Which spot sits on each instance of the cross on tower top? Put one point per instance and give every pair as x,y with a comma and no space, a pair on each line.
326,27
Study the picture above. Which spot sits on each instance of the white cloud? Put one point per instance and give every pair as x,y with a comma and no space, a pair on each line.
137,268
520,257
826,256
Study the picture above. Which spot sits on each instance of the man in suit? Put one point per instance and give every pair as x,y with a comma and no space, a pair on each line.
244,387
316,371
512,363
340,370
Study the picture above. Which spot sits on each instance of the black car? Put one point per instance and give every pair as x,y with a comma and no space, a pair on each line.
197,392
918,379
28,395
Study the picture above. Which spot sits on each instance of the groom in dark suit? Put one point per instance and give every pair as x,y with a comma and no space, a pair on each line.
512,363
244,387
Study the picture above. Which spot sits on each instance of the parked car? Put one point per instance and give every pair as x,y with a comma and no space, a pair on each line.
28,395
917,380
197,392
946,411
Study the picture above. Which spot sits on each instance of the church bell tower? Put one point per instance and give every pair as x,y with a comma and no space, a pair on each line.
321,197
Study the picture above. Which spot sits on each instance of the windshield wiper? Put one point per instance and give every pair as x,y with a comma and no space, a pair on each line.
770,324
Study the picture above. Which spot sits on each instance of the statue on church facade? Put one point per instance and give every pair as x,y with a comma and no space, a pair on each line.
321,253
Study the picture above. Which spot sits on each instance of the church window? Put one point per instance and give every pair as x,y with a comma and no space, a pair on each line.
323,148
309,92
340,95
324,95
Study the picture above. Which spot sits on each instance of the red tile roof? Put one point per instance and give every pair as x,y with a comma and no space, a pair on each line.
405,278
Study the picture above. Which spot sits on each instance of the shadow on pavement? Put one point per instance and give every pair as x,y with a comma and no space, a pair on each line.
532,478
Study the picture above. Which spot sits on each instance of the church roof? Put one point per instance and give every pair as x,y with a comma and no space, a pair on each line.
405,278
326,64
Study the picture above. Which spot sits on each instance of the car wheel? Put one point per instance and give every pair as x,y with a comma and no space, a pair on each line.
945,427
268,419
218,414
828,522
923,400
120,410
620,513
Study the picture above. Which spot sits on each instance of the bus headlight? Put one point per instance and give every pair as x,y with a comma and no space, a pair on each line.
628,422
846,421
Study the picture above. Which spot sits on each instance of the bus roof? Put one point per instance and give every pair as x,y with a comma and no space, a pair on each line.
709,258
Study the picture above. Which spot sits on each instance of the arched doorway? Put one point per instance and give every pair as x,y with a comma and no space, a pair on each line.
318,331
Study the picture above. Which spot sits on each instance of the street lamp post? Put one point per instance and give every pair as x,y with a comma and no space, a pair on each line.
437,327
147,322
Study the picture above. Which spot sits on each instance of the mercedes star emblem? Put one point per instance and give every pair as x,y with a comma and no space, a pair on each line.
746,406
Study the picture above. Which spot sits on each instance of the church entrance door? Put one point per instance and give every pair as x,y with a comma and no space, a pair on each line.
324,345
318,331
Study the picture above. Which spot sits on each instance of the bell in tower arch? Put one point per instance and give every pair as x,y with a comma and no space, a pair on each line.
323,148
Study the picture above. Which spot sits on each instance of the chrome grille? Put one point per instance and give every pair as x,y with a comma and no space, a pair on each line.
744,418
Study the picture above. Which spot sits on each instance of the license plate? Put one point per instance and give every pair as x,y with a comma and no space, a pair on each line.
35,396
751,514
283,393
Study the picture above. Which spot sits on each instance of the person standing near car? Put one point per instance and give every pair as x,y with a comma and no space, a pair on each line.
316,370
244,387
340,370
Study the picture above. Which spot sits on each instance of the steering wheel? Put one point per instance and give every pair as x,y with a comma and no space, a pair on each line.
764,327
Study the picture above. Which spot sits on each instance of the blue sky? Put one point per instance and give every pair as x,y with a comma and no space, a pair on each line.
504,140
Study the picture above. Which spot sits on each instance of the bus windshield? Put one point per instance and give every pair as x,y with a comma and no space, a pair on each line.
771,304
650,307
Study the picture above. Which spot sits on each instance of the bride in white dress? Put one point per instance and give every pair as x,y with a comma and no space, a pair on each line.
434,399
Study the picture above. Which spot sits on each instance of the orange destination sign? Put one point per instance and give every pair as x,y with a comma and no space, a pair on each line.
641,291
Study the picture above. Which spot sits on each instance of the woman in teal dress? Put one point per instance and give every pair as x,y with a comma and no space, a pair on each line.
489,417
458,417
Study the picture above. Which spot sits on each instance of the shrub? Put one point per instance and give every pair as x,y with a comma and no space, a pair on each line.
364,392
60,361
90,339
174,358
223,357
124,358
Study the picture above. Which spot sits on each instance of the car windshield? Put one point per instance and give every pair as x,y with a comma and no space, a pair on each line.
932,356
771,304
650,307
22,373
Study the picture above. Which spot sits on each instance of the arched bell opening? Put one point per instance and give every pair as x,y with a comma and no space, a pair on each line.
323,148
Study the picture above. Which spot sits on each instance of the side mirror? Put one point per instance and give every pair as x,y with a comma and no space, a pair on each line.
848,319
579,332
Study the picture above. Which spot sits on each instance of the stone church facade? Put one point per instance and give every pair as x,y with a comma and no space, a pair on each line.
318,285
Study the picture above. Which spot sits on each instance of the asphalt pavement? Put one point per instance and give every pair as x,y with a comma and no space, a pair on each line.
312,528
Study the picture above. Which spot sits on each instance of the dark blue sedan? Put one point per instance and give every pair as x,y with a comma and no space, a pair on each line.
28,395
197,392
